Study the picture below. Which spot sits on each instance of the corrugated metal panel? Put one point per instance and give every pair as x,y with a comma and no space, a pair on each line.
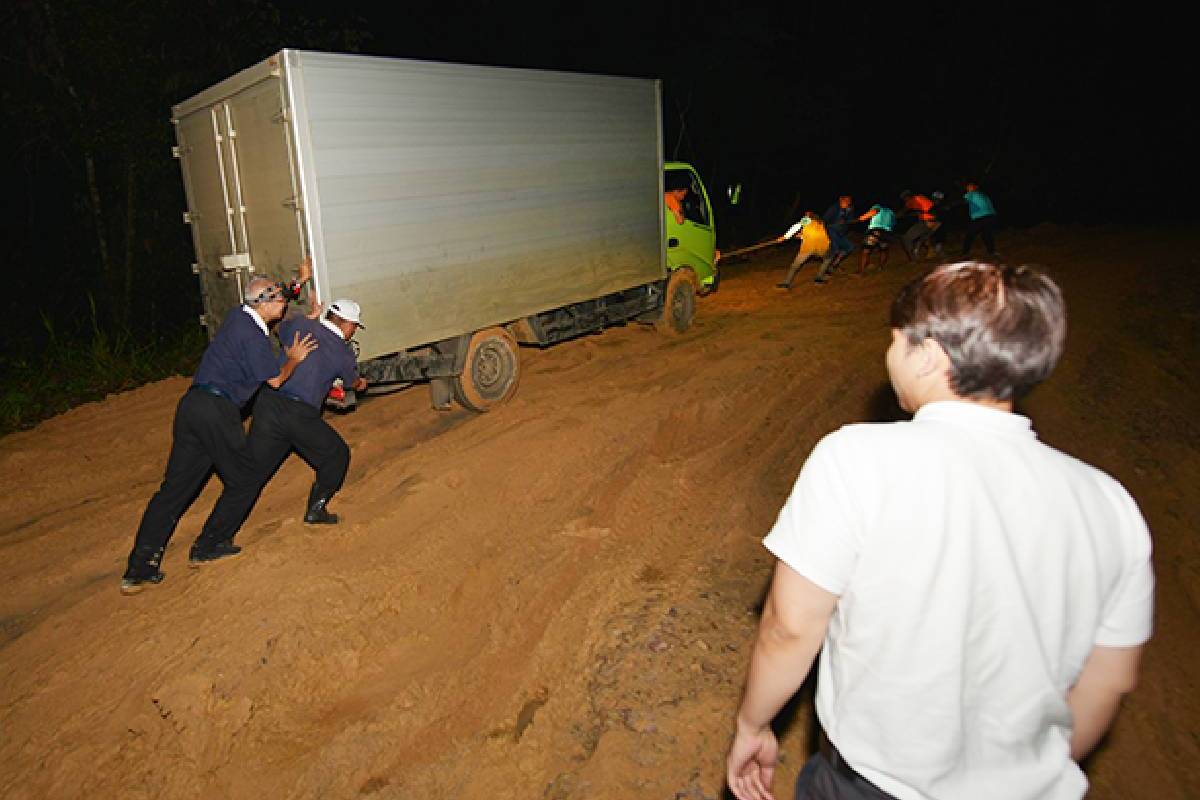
446,198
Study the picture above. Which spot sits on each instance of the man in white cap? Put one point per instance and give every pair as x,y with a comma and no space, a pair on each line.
288,418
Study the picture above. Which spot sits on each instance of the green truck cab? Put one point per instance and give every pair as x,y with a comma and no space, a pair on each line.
691,244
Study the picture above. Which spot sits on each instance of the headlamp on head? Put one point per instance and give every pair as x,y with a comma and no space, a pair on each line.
287,292
290,290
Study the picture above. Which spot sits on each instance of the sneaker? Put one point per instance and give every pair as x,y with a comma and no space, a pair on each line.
203,555
782,286
134,584
819,279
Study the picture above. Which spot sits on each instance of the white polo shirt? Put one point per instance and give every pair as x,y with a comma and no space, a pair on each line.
976,569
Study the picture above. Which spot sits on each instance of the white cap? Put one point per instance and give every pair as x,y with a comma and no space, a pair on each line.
347,310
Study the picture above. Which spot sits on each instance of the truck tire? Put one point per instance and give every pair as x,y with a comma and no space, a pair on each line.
679,303
491,370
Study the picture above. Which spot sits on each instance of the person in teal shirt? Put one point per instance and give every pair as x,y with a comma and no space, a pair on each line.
879,235
982,222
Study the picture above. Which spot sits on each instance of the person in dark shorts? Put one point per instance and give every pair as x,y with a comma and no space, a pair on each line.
879,235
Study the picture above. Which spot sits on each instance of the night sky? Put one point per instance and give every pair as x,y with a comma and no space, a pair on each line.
1063,116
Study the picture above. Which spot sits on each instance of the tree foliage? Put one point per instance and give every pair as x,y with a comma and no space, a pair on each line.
87,93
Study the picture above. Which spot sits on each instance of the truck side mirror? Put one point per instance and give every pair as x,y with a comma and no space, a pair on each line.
672,242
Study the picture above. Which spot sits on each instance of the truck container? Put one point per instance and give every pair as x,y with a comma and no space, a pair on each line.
465,208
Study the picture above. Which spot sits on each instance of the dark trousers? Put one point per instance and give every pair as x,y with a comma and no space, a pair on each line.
840,244
282,424
827,776
207,434
917,233
983,227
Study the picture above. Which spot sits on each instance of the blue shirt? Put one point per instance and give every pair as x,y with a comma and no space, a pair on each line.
332,359
839,218
884,219
979,204
239,358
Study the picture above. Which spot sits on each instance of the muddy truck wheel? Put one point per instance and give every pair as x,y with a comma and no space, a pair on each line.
491,371
679,303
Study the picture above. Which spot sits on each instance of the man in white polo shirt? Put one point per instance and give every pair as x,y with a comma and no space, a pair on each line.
982,598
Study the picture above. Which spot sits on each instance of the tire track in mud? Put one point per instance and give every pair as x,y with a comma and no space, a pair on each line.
550,600
408,449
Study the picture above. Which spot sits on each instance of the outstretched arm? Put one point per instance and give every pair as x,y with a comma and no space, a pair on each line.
296,352
793,627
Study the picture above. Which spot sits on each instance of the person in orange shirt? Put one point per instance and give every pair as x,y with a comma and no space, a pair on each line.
675,191
922,229
674,200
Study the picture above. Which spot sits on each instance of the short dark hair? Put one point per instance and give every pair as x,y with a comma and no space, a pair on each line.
1002,327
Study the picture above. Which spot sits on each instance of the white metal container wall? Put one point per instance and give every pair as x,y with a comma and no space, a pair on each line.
237,163
446,198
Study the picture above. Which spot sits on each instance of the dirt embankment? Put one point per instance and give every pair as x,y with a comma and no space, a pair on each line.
555,599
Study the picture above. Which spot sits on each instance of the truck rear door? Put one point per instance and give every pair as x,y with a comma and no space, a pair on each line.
243,198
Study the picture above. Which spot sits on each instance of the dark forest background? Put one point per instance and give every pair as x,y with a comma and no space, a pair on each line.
1064,117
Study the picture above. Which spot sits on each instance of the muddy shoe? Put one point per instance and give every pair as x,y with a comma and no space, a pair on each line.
132,584
204,555
782,286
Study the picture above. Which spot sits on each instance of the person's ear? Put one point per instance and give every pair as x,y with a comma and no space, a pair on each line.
934,360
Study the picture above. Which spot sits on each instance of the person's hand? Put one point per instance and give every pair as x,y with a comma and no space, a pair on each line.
317,308
360,385
750,765
299,349
304,271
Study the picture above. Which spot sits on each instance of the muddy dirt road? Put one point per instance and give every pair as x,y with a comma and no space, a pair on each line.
555,599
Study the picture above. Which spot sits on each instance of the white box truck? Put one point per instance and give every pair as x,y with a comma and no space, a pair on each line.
465,208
